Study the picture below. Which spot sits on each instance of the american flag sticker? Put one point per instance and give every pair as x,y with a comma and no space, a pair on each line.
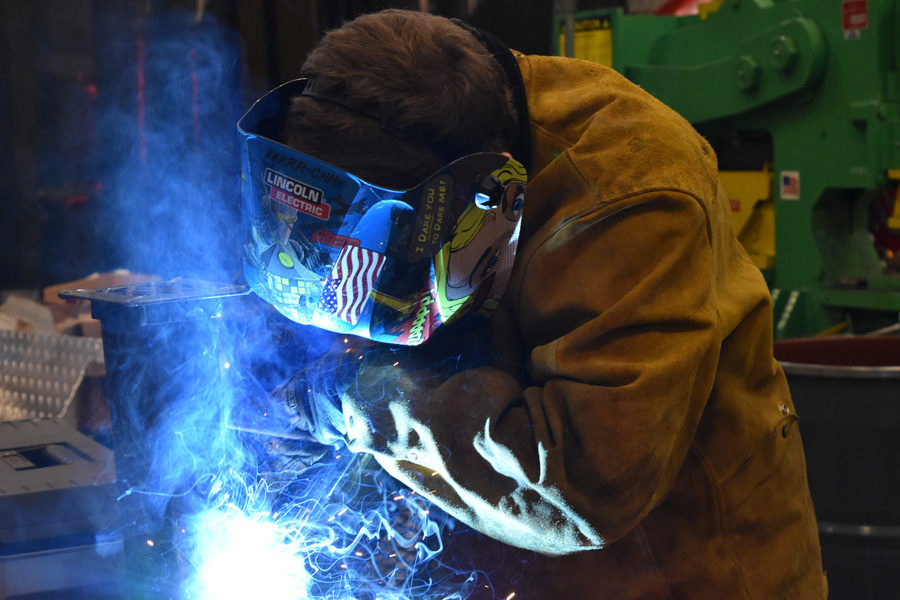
350,283
790,185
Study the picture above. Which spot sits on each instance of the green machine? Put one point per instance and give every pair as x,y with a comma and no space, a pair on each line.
801,100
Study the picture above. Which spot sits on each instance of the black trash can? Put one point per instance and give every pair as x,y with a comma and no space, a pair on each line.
847,394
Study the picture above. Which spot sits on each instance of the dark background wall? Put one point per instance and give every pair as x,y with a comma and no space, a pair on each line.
84,84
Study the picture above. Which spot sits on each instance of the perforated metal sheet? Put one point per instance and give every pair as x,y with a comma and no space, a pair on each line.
40,374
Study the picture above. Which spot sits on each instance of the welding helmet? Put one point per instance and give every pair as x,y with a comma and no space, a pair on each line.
329,249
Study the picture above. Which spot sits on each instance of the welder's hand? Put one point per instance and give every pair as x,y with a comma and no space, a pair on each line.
289,454
314,405
370,402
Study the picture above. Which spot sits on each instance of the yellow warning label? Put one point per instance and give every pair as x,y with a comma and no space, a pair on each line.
593,40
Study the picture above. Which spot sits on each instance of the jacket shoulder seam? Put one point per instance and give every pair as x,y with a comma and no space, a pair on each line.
597,206
601,204
567,143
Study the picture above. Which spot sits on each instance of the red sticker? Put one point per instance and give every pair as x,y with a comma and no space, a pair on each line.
328,238
854,14
419,326
297,195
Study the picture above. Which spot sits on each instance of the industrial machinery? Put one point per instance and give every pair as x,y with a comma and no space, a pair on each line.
801,101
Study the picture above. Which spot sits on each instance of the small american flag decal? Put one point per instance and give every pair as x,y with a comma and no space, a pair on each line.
790,185
351,281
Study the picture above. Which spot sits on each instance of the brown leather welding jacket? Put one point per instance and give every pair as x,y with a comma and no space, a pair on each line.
654,450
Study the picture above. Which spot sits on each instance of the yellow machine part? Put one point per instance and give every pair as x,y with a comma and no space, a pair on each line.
593,40
708,7
753,212
894,219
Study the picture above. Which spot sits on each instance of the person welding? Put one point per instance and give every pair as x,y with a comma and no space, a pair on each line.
586,373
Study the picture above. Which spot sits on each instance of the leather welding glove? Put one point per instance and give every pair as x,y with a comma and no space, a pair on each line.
313,396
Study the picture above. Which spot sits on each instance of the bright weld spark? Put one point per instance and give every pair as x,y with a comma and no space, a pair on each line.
396,363
150,543
247,558
511,596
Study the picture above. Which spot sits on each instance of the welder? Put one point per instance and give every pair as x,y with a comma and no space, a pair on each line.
569,351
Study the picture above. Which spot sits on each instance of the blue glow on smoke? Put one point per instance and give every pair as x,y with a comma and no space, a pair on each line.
222,499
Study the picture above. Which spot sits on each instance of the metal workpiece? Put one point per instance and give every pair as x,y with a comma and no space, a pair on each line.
154,292
163,357
129,307
159,343
40,374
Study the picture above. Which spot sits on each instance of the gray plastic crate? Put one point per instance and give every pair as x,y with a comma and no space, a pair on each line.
58,512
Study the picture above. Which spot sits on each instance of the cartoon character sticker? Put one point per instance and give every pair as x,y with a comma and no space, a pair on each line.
479,255
474,264
283,256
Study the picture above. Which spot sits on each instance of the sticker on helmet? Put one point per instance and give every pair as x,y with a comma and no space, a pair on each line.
350,282
425,319
431,225
285,259
332,240
297,195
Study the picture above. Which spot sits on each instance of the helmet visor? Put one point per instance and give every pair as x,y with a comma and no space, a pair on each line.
329,249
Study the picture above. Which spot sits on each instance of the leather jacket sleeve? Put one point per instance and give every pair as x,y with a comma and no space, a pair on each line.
621,329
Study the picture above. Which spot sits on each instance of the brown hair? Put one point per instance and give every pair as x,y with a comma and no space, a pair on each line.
418,72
